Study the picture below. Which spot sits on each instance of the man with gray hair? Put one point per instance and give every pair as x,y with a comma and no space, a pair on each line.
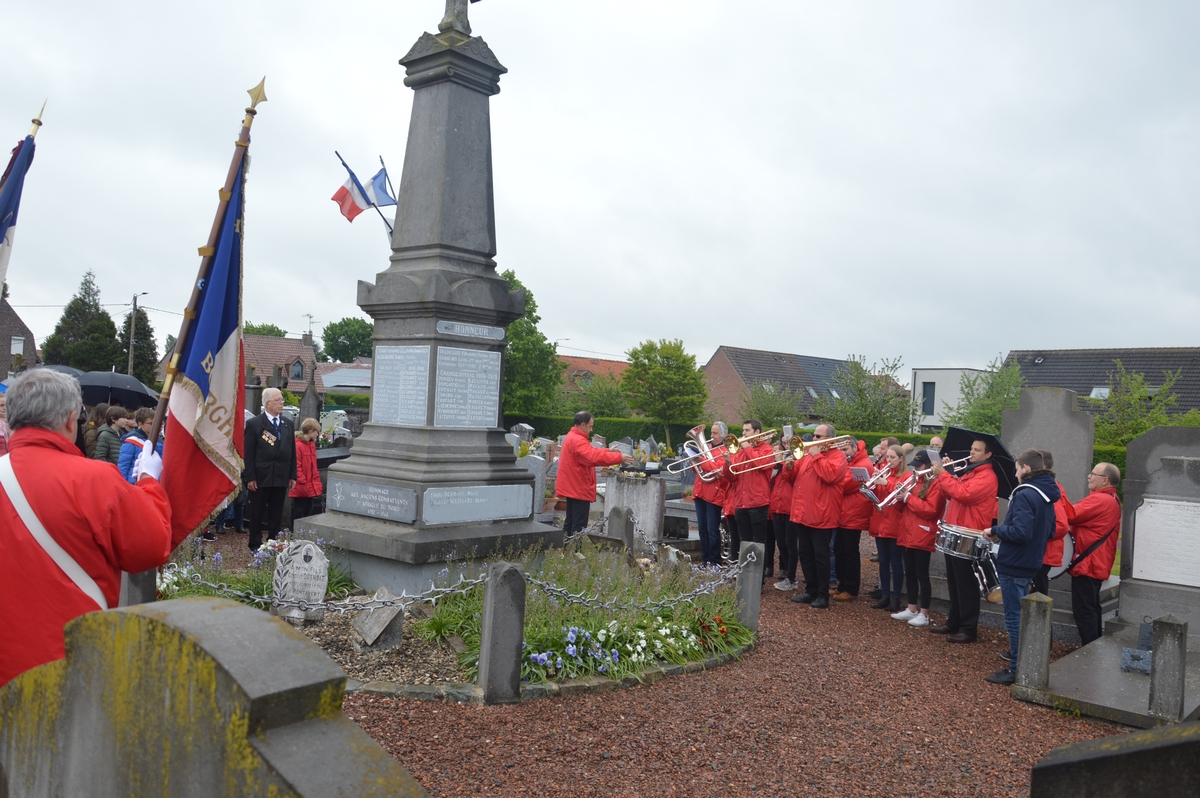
270,466
68,525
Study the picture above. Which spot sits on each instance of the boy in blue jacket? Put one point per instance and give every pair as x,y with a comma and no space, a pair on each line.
1027,528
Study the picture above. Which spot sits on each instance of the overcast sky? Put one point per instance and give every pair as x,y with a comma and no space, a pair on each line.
941,182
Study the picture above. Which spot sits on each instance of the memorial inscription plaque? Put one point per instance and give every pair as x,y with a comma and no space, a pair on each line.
400,394
471,330
1167,547
468,388
388,502
482,503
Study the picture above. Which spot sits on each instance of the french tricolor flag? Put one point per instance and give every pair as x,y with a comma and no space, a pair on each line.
202,454
10,198
354,197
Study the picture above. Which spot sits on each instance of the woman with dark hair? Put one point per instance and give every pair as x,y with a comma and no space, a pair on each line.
891,562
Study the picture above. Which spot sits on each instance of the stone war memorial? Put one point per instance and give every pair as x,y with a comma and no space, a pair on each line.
432,477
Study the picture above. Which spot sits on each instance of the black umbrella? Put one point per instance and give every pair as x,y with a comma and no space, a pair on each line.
114,388
958,445
70,370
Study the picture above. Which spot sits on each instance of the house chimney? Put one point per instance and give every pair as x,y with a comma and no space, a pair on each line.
306,339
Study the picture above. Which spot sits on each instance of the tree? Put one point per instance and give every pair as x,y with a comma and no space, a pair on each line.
869,399
603,398
1132,407
145,348
275,331
169,344
85,336
532,370
983,397
662,381
347,339
772,404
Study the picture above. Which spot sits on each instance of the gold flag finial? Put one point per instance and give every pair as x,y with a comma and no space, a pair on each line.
258,94
37,120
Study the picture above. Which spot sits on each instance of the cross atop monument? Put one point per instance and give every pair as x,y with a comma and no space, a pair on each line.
456,17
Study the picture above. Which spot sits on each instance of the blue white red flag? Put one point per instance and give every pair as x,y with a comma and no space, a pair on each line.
354,197
202,455
10,198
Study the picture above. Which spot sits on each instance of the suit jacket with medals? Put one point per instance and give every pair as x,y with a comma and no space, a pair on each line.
270,458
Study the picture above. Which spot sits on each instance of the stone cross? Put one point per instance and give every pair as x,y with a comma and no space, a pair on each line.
456,17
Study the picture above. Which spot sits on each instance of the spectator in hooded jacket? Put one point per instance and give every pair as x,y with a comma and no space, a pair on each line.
132,442
1096,527
108,439
308,478
1027,526
576,480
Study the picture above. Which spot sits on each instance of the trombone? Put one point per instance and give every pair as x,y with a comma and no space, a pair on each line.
698,449
797,450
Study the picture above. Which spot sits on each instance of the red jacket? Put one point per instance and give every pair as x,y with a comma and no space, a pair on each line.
752,488
972,498
104,523
856,508
1095,515
817,499
892,520
577,466
308,478
921,517
781,491
711,492
730,505
1064,513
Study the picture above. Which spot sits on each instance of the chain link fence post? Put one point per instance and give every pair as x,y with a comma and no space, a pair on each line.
749,584
502,634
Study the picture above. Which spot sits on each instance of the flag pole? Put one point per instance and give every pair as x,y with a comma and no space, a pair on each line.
387,175
37,121
257,95
373,205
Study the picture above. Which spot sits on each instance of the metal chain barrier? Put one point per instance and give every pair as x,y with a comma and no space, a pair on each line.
596,528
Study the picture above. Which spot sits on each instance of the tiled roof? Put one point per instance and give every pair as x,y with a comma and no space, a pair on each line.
1082,370
264,352
582,366
803,374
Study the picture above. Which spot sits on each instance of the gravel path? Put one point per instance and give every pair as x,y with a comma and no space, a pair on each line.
845,701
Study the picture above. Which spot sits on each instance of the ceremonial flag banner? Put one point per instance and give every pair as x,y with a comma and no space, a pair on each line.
10,198
202,455
353,197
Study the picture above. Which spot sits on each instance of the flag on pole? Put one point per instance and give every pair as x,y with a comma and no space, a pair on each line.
10,198
202,456
354,197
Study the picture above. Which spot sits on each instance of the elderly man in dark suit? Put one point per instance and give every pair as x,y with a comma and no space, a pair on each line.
270,466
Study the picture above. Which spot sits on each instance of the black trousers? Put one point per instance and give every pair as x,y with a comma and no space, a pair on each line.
964,596
1041,581
735,539
577,515
754,520
814,559
779,522
916,572
849,561
302,507
1085,606
792,536
266,506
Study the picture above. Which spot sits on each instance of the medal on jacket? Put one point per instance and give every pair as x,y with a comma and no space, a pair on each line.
269,438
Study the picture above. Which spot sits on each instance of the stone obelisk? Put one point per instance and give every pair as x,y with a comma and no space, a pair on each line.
432,478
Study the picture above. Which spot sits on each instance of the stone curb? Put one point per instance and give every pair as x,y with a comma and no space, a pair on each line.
459,693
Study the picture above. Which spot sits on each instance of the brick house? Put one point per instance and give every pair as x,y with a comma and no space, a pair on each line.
19,348
581,371
731,371
1085,371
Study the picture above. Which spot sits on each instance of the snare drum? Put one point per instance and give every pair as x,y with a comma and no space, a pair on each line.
961,541
989,579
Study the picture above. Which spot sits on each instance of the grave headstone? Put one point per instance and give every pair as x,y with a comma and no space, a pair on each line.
599,441
537,467
622,447
522,431
646,498
301,574
652,446
502,634
383,627
310,402
515,441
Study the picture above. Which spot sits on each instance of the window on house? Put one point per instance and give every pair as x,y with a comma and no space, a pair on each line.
1099,392
928,391
18,345
297,371
835,394
768,387
811,392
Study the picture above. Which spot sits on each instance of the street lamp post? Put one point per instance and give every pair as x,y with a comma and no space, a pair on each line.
133,330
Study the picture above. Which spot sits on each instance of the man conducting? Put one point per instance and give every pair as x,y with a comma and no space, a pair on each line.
1096,527
68,525
577,464
270,466
1023,535
972,504
817,508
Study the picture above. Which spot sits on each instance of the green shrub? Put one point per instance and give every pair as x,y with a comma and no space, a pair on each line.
613,429
344,400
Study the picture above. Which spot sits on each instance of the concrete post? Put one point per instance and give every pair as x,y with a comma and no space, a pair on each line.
1033,653
139,588
1168,665
502,634
749,584
620,525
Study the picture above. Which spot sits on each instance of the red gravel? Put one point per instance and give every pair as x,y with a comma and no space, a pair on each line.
845,702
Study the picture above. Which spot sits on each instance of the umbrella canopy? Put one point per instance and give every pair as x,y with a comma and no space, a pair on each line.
71,370
958,445
113,388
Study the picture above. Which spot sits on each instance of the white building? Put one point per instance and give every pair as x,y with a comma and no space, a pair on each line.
936,390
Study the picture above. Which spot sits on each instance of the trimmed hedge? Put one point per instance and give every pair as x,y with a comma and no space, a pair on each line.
343,400
613,429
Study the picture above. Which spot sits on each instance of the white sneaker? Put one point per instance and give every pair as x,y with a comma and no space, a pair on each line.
905,614
920,620
786,584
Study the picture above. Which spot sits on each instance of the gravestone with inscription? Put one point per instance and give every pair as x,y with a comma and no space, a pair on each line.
536,466
432,477
301,574
381,628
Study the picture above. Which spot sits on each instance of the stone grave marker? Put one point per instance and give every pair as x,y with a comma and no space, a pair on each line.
381,628
646,498
301,574
515,440
522,431
536,466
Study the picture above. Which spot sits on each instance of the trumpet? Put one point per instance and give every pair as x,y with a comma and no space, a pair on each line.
879,476
954,466
903,489
699,449
797,450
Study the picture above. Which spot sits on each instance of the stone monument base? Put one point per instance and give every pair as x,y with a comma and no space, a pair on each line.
401,557
1141,599
1091,681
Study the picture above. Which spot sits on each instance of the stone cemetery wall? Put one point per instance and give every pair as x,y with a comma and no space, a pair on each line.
191,697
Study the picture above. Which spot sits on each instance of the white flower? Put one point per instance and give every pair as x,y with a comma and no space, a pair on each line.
602,635
612,626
